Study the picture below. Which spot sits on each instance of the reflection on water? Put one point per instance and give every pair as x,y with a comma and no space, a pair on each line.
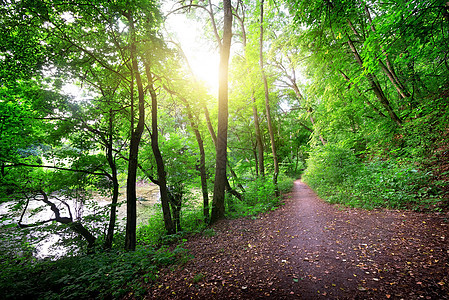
46,244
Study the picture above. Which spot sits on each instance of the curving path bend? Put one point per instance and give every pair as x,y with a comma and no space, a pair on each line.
309,249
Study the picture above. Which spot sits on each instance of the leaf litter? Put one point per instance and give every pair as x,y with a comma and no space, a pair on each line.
309,249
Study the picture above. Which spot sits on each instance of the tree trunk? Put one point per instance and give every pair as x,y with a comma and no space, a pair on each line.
399,87
86,234
260,167
267,103
203,176
388,69
214,139
113,214
259,142
363,96
162,176
256,162
136,134
175,196
375,86
235,178
76,226
218,202
131,196
199,140
115,186
209,125
233,192
202,166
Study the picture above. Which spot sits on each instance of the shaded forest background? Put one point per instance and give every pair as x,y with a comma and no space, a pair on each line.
352,95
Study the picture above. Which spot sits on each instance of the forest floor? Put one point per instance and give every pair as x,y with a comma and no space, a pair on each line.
309,249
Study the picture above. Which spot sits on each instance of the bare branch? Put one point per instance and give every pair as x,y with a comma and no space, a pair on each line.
211,16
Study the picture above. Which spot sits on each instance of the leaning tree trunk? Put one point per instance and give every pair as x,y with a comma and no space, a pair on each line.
218,202
388,69
363,96
76,226
202,166
375,86
161,174
199,140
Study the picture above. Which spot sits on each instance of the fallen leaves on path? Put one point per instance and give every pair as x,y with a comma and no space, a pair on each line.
309,249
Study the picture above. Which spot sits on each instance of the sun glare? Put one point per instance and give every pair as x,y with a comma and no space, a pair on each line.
202,58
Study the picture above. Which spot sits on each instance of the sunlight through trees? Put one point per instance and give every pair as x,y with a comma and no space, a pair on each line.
102,100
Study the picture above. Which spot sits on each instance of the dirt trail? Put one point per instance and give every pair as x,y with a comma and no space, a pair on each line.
309,249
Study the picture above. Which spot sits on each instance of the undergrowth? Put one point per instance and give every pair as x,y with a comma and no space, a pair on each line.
260,196
339,176
115,273
109,274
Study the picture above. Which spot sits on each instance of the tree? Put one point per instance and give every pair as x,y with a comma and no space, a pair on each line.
194,124
220,140
365,62
136,134
89,44
267,100
27,172
260,166
159,161
218,202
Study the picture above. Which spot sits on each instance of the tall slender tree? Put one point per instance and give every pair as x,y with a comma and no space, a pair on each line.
267,98
218,202
260,166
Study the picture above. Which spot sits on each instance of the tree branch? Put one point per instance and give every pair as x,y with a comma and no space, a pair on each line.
54,167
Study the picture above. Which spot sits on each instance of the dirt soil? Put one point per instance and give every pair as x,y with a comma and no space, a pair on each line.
309,249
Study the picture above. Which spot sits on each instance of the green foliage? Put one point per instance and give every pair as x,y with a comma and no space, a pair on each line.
285,183
164,257
259,197
372,159
98,276
368,161
154,233
198,277
209,232
261,190
340,177
192,214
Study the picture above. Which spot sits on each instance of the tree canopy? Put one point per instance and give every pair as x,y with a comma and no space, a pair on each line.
98,98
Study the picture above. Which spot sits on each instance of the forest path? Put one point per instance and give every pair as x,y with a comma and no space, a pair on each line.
309,249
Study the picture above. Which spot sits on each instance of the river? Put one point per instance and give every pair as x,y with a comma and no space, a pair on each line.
45,244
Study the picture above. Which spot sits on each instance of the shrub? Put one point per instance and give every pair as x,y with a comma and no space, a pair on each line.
338,176
259,197
97,276
285,183
152,232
